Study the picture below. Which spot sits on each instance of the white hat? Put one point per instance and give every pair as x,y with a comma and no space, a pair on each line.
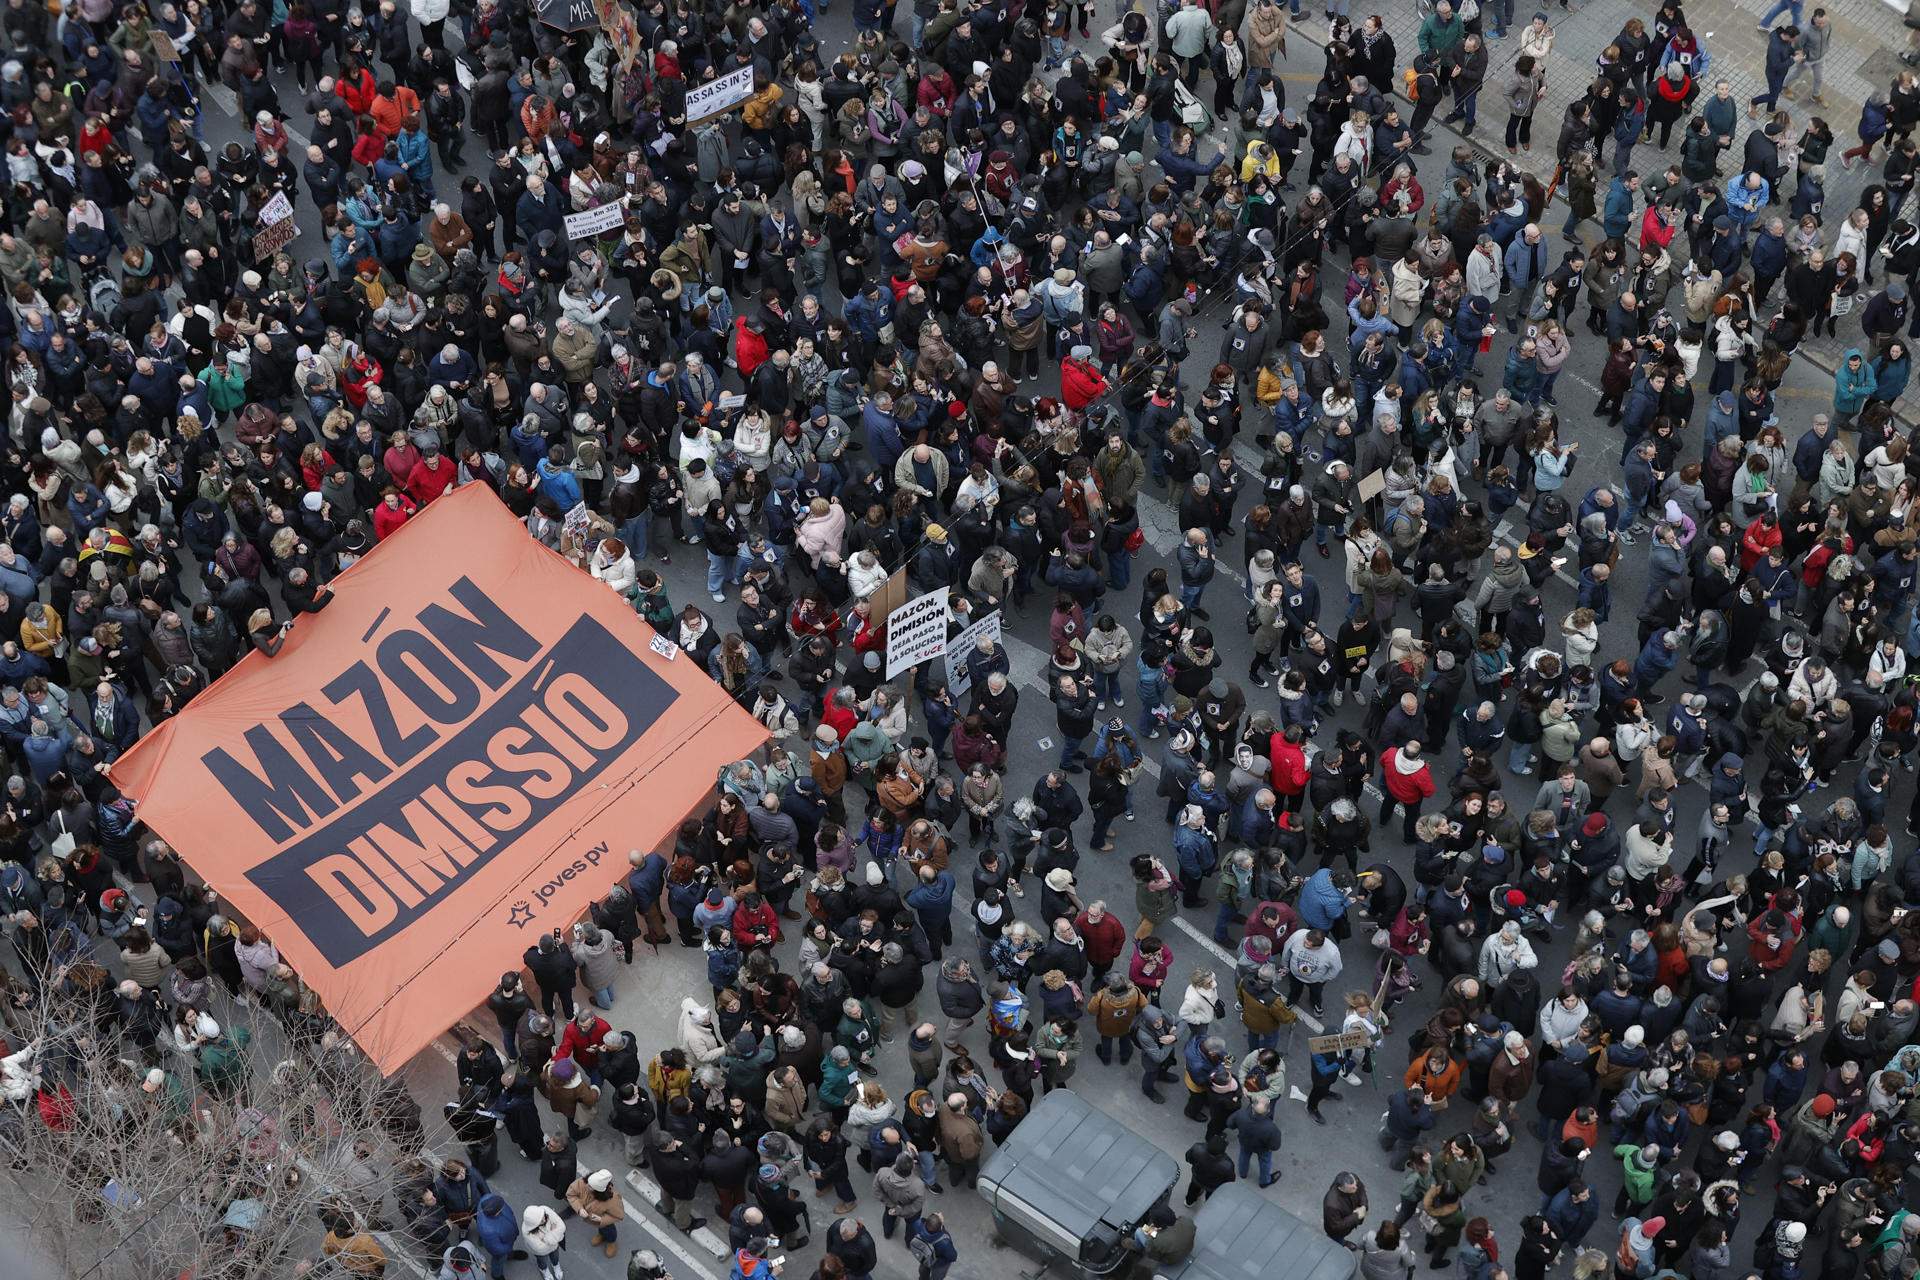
1796,1231
601,1181
206,1028
155,1079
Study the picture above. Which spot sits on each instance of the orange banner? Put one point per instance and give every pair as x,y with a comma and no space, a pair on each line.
449,760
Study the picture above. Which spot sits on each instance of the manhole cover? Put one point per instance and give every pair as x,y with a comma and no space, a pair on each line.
1881,64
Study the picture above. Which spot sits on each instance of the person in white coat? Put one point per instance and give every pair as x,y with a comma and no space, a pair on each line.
432,17
613,564
543,1233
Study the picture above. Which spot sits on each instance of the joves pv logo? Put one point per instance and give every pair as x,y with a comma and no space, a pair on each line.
456,736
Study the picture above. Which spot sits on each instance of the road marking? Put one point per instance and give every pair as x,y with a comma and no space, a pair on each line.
650,1192
224,98
1307,1020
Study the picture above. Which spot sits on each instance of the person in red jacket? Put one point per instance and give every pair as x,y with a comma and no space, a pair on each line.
1287,750
1103,937
1405,781
432,476
586,1032
1771,939
1081,382
395,509
755,923
749,344
1762,536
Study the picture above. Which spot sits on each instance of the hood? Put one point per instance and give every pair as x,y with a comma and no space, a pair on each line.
1729,761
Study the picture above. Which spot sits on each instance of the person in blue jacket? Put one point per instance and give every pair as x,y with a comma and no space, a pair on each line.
1853,386
496,1227
1616,216
929,1242
1324,901
1891,368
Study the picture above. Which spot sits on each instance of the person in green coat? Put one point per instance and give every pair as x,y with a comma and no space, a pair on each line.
226,385
837,1076
1639,1170
221,1059
1442,32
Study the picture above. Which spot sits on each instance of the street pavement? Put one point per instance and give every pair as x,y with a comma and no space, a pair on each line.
648,997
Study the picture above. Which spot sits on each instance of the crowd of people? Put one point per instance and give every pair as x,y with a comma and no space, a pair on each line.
819,347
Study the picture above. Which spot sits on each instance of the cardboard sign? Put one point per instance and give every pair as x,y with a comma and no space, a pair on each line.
719,94
917,632
277,227
592,222
446,764
959,679
270,240
1341,1043
164,48
1371,485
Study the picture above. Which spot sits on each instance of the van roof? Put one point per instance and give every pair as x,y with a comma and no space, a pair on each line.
1080,1167
1240,1235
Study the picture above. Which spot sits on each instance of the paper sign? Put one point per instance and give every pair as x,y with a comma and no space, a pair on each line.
917,631
715,96
591,222
664,647
278,209
731,400
1372,485
576,521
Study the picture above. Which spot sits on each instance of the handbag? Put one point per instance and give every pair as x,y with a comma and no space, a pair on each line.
1193,113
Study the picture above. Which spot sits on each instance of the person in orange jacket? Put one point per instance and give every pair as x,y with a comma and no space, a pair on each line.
1438,1073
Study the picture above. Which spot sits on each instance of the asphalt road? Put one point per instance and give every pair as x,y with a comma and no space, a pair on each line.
649,996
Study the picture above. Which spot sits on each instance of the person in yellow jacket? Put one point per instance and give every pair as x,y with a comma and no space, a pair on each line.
1260,158
761,111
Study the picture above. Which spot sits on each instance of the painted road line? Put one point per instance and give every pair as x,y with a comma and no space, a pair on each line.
651,1195
1219,953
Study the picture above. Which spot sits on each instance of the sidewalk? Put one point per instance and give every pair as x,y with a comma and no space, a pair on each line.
1727,30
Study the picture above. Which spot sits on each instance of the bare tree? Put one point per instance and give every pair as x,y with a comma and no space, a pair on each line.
136,1149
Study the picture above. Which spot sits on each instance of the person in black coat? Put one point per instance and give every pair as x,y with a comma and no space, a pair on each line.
553,971
559,1169
852,1243
1566,1082
676,1166
615,914
1212,1168
519,1112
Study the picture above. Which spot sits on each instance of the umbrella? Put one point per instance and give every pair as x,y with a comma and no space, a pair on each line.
569,15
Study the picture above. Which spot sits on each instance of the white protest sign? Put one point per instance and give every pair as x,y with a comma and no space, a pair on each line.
716,95
591,222
917,631
959,678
